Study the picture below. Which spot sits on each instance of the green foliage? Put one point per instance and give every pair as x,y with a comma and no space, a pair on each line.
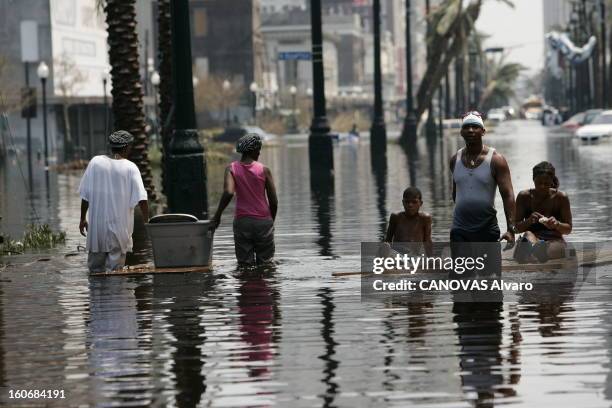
35,237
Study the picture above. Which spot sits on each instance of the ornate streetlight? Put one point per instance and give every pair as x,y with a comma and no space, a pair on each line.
378,130
43,74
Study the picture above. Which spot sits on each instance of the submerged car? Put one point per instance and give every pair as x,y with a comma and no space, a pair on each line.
599,128
580,119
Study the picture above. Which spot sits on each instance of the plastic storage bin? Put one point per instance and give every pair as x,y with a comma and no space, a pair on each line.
180,240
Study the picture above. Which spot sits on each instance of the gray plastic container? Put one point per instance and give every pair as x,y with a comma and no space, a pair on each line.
180,240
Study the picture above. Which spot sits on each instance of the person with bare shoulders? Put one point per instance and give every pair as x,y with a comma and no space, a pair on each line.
410,225
478,171
256,203
544,215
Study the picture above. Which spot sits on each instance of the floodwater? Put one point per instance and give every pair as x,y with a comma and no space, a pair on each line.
292,335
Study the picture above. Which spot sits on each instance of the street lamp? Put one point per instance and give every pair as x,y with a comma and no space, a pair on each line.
293,92
155,80
195,81
105,77
409,132
254,88
226,88
43,74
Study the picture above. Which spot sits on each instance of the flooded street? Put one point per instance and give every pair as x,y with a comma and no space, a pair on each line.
292,335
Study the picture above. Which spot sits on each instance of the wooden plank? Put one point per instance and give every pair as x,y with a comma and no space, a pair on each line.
150,269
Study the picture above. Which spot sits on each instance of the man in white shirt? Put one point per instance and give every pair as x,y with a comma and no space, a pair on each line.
110,189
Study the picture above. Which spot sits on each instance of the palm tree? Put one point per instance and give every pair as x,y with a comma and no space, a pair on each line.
447,40
128,107
500,87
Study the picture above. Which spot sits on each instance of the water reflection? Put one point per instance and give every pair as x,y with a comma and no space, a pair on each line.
259,318
322,190
379,170
115,356
479,334
327,333
182,296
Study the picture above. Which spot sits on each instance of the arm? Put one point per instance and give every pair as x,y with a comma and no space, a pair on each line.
564,225
391,229
427,236
83,225
504,183
271,192
226,197
144,209
452,167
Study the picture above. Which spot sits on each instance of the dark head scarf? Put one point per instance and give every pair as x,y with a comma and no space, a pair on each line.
120,138
248,143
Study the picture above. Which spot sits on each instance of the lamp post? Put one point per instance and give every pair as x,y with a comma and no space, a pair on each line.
320,148
378,130
185,166
293,92
226,87
254,88
155,80
105,77
409,131
43,74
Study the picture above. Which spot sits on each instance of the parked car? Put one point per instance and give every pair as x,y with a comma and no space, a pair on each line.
574,122
496,116
232,134
599,128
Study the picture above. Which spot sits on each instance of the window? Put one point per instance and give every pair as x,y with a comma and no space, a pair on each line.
200,22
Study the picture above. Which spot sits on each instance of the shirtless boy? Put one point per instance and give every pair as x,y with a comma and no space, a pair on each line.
411,225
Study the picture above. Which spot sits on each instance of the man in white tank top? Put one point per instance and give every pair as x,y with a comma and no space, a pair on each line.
478,170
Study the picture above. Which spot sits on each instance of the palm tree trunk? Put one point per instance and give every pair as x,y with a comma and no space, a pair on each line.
128,107
165,85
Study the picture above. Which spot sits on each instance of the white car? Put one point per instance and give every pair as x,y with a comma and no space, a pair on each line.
599,128
496,116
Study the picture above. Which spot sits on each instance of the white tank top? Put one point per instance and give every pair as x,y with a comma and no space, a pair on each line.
474,195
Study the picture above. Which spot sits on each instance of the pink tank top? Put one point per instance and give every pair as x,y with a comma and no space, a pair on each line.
251,200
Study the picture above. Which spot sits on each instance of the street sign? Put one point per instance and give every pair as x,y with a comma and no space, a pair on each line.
295,55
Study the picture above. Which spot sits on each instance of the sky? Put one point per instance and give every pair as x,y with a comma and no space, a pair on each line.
509,27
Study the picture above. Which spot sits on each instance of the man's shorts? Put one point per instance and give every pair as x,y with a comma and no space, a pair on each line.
253,240
473,244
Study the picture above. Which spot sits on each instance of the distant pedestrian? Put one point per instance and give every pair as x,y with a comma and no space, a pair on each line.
256,203
110,189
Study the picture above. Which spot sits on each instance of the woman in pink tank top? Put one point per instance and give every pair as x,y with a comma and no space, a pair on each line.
256,203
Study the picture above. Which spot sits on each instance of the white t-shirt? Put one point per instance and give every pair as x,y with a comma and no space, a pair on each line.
112,188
